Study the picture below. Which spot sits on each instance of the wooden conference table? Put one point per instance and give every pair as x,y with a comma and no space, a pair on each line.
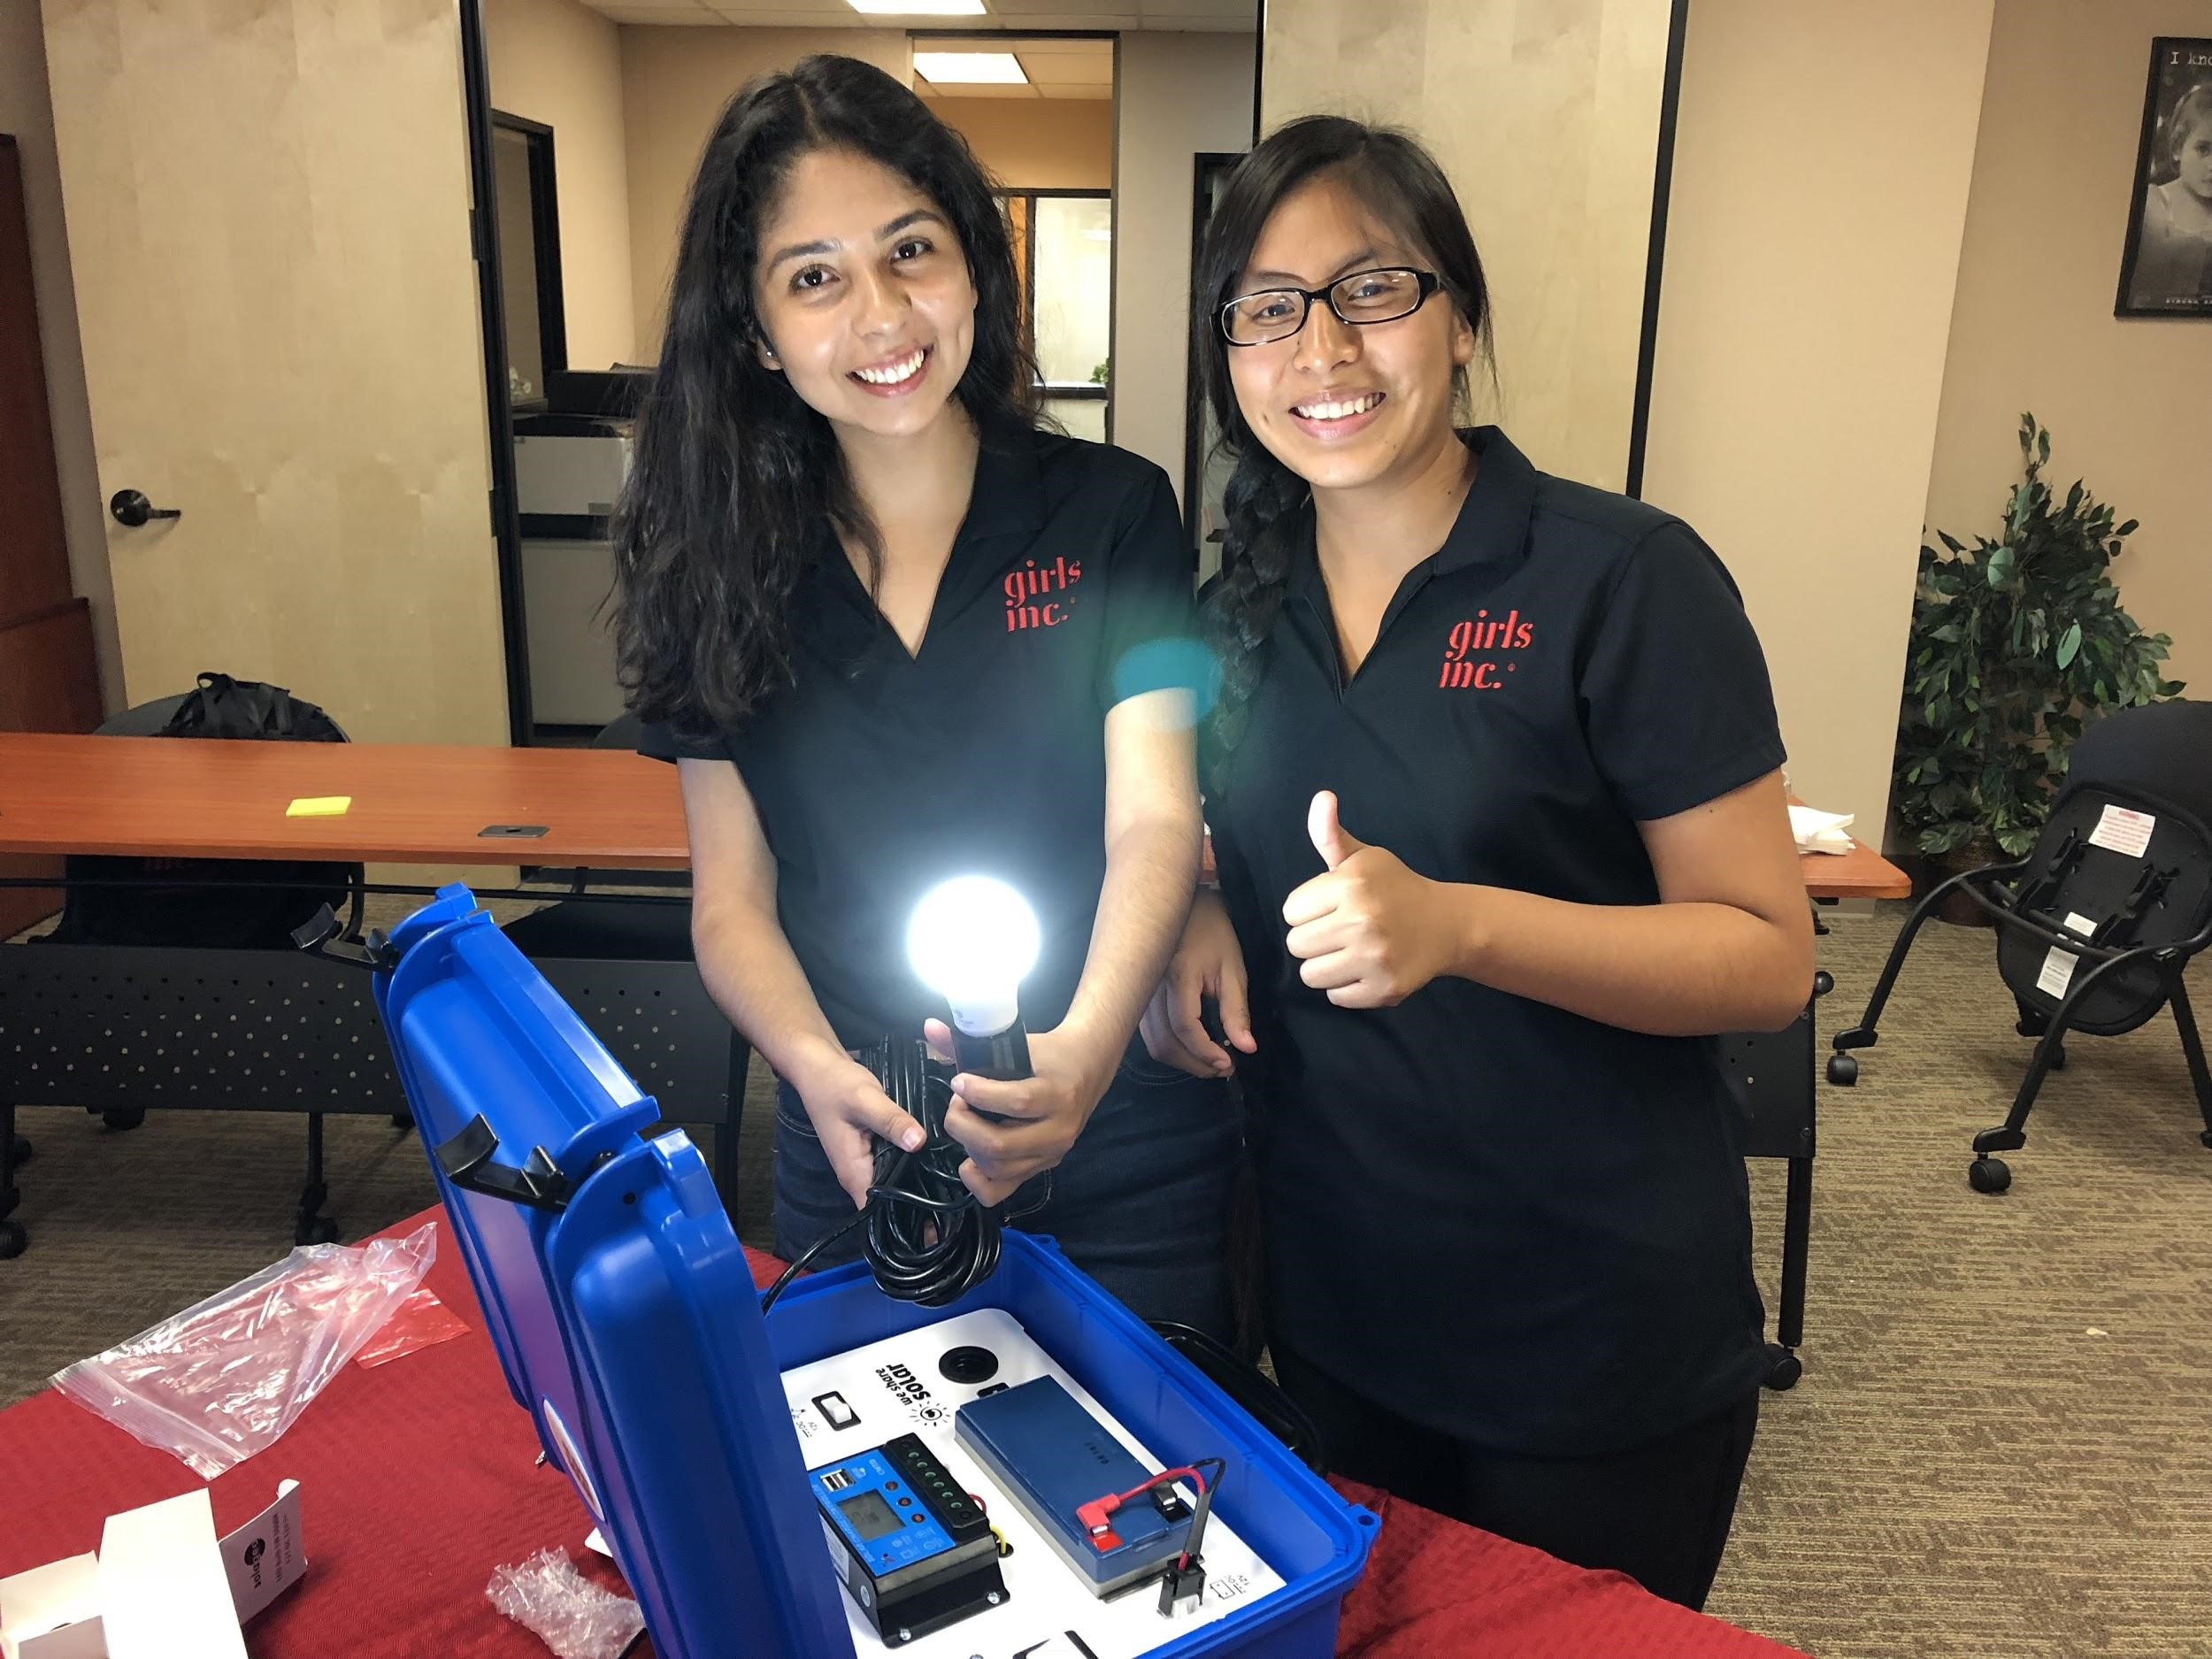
420,804
122,1029
419,1477
166,797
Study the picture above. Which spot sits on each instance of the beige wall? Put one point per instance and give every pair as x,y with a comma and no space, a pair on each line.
1545,115
674,83
2129,401
25,112
268,229
1801,338
1181,95
554,61
1037,143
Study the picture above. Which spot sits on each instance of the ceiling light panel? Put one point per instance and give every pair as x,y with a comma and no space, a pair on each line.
918,8
970,69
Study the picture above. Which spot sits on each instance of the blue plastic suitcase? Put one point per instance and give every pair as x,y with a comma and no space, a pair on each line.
629,1328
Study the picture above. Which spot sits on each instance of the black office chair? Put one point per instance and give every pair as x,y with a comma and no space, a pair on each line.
2097,926
204,903
641,945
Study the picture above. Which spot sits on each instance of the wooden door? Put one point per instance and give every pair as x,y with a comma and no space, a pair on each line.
48,679
268,215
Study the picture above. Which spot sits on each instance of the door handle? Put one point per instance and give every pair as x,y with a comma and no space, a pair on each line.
131,508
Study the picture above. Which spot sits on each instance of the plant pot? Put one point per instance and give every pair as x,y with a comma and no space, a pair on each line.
1957,908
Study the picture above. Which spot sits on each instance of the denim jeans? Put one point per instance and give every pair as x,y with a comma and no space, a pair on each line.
1140,1203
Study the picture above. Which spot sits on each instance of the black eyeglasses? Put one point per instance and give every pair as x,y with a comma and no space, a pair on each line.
1359,299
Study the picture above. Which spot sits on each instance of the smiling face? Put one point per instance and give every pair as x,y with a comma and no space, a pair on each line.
1345,407
863,293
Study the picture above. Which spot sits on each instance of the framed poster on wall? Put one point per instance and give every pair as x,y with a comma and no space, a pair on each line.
2166,270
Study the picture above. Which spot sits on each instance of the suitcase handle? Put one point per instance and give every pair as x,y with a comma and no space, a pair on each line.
466,1160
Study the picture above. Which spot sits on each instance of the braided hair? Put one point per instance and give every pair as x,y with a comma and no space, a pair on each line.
1391,173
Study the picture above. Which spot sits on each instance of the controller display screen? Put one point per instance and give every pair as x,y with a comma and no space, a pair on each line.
870,1516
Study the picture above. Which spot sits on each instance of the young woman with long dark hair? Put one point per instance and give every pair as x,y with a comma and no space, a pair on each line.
894,633
1495,800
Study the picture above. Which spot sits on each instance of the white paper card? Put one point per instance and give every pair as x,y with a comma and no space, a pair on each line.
2121,831
2058,962
596,1543
893,1387
163,1592
2058,972
53,1612
264,1557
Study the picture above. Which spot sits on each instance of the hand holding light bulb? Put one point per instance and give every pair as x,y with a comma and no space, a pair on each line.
972,940
1034,1121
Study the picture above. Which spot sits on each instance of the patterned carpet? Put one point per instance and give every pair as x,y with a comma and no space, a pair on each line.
2000,1448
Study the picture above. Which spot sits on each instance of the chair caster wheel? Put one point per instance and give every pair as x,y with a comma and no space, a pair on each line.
2205,1137
1823,982
1843,1070
402,1121
20,1153
316,1230
1784,1368
1988,1175
13,1240
122,1118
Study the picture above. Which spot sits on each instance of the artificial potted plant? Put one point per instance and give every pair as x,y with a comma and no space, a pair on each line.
2016,643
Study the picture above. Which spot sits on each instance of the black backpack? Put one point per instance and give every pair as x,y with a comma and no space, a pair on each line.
212,904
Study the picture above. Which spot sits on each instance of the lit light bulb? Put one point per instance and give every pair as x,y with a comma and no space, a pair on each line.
973,941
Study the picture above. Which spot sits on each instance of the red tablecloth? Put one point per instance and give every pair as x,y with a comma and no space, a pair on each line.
418,1479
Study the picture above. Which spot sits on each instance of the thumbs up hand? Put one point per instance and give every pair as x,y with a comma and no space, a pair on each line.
1370,932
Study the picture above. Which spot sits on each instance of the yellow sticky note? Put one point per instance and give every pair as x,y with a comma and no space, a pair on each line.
320,806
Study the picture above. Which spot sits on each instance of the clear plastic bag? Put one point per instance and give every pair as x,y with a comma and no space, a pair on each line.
225,1379
573,1616
422,1321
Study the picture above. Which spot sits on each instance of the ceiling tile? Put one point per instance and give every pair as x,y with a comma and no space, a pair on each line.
964,92
656,12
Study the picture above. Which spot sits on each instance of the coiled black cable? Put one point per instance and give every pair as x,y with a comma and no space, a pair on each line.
928,1239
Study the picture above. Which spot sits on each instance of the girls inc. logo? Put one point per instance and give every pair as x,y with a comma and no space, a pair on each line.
1027,605
1469,642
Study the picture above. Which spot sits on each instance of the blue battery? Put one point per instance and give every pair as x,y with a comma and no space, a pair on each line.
1052,1458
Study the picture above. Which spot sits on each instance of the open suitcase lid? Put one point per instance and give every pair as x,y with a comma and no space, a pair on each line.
618,1296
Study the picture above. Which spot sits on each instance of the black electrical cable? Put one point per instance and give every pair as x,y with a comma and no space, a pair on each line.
928,1239
1194,1542
798,1265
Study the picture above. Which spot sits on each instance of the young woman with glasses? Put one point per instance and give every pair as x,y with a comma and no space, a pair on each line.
1495,799
894,633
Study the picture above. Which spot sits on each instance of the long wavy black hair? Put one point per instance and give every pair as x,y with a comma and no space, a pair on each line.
733,476
1397,179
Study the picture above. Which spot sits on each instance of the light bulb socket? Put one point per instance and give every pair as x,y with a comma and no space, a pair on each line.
1002,1056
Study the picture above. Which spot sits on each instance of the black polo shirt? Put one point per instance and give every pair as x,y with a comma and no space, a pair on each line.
878,775
1501,1219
